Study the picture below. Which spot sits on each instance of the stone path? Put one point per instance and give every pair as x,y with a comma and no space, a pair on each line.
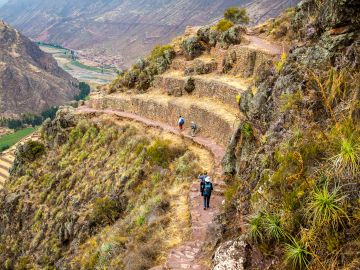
189,254
262,44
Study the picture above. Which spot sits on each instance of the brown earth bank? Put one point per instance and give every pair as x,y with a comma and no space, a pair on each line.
30,80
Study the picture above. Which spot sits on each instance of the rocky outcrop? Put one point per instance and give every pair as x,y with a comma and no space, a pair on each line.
30,80
231,255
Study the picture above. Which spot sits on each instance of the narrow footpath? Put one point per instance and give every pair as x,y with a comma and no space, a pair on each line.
189,255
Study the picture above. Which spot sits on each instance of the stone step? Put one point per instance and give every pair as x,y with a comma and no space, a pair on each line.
202,65
4,175
6,160
220,88
215,120
242,60
4,167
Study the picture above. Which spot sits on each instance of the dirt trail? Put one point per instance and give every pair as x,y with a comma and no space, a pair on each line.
189,254
268,46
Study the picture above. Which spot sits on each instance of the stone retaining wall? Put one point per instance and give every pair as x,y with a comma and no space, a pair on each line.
211,124
204,87
247,59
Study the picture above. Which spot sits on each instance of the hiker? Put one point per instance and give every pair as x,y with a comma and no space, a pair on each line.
202,178
181,122
208,188
193,129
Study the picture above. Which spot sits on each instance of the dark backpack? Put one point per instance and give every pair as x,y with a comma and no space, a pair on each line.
207,189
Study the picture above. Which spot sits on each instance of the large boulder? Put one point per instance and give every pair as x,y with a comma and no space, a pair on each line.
231,255
54,132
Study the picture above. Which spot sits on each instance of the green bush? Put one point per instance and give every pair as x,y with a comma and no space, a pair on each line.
189,85
105,211
161,153
237,15
159,51
84,91
224,25
32,150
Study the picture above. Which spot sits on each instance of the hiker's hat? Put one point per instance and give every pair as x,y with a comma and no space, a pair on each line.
208,179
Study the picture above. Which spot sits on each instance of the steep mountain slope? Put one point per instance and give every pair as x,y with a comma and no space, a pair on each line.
30,80
122,29
80,210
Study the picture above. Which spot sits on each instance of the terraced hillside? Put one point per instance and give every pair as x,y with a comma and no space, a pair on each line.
7,158
212,104
112,184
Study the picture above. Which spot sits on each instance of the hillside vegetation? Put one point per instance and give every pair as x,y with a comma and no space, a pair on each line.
294,169
95,194
100,193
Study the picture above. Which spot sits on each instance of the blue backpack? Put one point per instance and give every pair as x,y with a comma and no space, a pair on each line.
181,121
207,189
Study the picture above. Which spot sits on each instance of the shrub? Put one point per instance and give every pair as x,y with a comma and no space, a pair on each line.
280,65
189,85
105,210
247,130
84,91
238,99
297,255
160,153
160,51
31,150
224,25
237,15
324,207
192,48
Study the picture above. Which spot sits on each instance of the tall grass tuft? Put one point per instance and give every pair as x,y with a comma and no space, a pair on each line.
348,157
297,255
324,207
273,227
255,227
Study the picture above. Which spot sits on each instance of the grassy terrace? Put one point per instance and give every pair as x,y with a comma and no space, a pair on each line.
6,141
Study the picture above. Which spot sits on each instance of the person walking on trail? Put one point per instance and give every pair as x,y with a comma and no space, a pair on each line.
202,178
193,129
208,188
181,122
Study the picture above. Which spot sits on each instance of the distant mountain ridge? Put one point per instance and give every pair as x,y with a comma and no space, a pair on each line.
30,80
122,30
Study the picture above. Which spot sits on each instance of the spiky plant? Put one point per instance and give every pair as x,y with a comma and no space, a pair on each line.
255,227
348,157
297,254
324,207
273,227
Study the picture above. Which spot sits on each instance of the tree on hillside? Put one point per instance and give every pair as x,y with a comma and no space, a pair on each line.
237,15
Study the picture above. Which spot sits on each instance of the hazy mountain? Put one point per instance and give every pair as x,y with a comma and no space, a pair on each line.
30,80
122,29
